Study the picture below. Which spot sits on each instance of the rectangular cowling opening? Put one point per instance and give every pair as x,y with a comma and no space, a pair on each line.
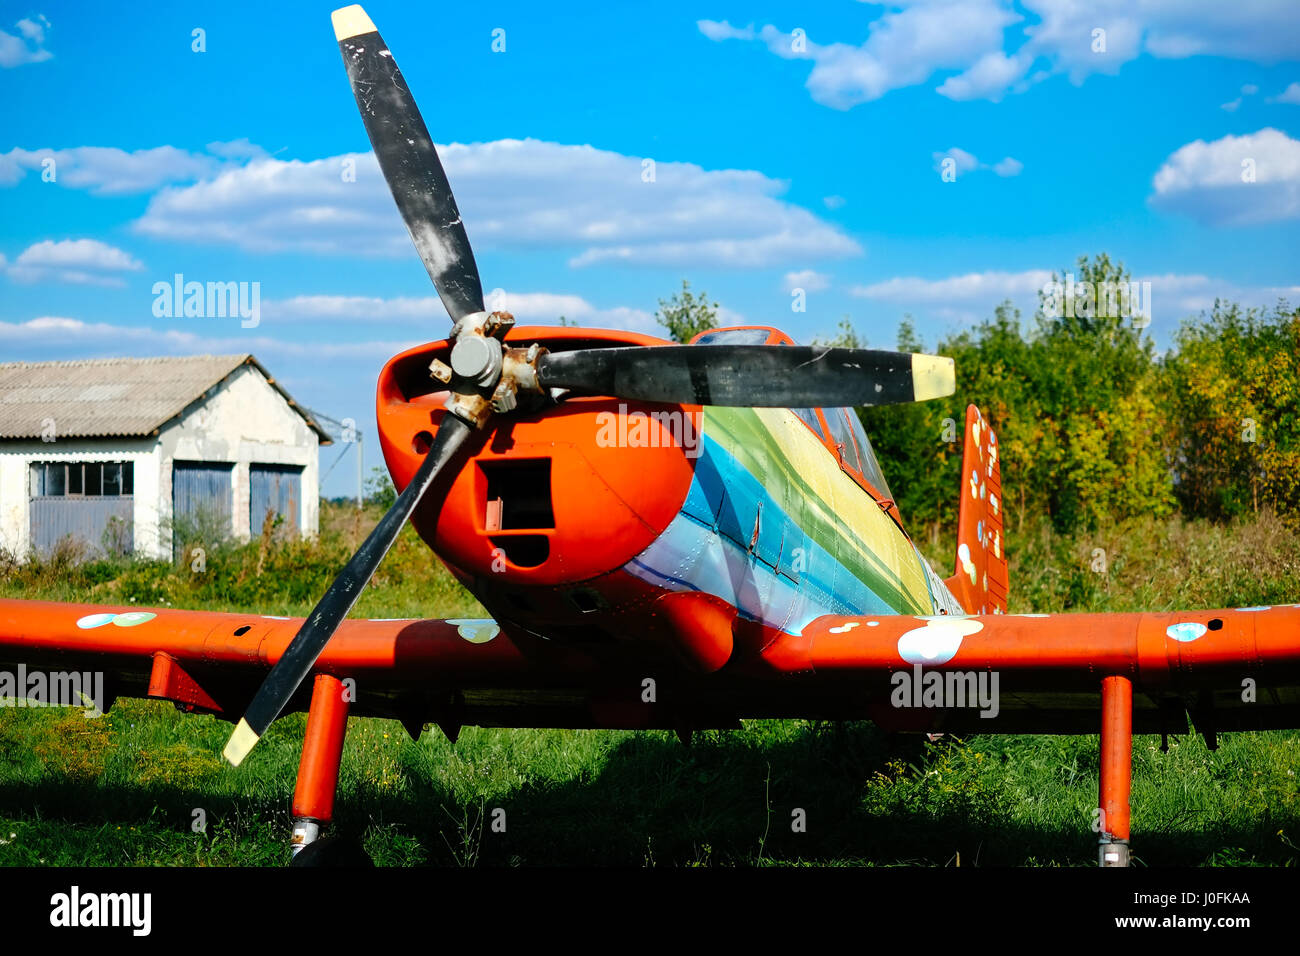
518,495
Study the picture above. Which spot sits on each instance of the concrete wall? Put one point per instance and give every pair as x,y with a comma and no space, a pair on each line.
244,420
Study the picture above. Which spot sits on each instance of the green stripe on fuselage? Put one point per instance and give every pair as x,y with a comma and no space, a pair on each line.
778,449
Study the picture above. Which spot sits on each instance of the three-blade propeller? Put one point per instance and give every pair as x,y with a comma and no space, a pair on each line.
740,375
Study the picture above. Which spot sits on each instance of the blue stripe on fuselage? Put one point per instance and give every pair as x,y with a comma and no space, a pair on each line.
785,580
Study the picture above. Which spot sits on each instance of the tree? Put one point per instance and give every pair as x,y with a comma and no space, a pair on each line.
379,489
685,314
846,337
1092,385
1231,393
1075,404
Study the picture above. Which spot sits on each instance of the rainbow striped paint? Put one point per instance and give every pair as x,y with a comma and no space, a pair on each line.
773,526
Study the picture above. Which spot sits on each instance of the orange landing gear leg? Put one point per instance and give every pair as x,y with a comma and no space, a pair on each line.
318,772
1116,769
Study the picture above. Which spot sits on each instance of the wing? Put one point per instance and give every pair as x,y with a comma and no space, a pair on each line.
413,670
1231,669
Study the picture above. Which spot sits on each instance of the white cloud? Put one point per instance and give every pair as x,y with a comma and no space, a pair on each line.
517,193
1175,296
722,30
543,308
964,162
1008,167
992,47
78,261
359,308
991,287
992,75
808,280
1249,89
108,171
964,299
1205,180
834,202
729,317
29,46
1290,95
904,47
69,337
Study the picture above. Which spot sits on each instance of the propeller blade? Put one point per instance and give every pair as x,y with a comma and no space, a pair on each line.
299,658
409,161
759,376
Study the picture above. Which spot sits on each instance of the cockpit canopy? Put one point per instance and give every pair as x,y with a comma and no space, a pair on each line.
839,428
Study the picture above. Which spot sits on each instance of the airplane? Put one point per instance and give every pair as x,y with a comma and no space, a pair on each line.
665,536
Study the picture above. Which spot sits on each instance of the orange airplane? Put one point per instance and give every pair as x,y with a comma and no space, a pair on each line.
665,536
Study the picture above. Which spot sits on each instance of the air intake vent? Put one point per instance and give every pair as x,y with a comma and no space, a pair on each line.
518,495
524,550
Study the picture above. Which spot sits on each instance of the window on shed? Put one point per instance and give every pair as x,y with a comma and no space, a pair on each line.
82,479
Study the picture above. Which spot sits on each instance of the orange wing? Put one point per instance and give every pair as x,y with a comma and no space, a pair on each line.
213,662
1232,669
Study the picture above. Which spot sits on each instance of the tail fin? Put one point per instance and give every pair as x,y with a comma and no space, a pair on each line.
980,578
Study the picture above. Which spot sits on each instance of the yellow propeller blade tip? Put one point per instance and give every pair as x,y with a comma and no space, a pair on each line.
351,21
933,376
240,743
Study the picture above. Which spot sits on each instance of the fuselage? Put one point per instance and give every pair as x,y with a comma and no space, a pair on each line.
694,534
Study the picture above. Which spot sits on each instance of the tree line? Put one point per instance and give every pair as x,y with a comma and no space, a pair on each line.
1097,427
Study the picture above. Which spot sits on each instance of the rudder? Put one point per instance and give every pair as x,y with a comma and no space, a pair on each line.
980,579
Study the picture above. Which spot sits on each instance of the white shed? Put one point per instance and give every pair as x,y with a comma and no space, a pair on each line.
117,453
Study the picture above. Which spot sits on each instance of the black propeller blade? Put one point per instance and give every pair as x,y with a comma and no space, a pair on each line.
410,162
298,660
760,376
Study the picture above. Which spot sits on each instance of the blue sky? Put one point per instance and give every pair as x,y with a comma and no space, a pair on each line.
794,146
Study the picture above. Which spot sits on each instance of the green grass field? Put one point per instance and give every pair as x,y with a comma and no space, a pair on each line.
127,788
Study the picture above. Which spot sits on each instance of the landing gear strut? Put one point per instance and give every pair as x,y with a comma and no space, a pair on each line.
1116,770
318,773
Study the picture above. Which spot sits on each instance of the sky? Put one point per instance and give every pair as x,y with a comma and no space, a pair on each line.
800,163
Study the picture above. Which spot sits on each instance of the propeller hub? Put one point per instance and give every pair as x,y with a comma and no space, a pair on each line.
476,359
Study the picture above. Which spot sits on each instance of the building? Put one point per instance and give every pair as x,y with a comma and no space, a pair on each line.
131,455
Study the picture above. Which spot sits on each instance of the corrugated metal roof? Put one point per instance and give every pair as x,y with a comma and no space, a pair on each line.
127,397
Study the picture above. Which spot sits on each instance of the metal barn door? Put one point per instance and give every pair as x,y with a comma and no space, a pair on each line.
202,502
274,491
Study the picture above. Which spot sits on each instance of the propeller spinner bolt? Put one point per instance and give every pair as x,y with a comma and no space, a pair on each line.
441,371
477,359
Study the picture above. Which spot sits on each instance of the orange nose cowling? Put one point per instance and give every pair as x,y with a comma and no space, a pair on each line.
547,499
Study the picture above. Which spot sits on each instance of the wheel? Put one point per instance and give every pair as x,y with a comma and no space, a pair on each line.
332,851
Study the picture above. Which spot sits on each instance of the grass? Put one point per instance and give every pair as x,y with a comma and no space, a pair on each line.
130,787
